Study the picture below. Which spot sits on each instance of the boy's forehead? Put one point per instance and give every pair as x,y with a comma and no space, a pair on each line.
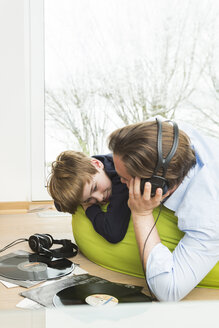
87,190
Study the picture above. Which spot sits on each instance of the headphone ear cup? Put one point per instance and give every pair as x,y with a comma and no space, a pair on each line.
39,241
49,240
158,182
33,242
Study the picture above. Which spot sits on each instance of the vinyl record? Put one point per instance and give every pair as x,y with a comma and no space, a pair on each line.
99,293
19,267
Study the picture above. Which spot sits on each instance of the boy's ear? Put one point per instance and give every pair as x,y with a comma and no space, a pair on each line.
98,164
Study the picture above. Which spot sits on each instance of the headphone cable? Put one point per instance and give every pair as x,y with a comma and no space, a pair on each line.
13,243
146,239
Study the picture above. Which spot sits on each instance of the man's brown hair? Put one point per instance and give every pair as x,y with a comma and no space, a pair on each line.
69,173
136,145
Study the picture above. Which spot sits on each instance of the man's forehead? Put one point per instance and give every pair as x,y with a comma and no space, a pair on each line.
120,167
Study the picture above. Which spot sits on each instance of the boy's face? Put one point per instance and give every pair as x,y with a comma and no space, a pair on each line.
99,189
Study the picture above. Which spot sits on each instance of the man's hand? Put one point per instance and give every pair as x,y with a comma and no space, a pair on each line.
142,205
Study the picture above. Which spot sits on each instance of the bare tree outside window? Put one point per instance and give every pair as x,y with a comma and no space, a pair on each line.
168,79
73,109
111,63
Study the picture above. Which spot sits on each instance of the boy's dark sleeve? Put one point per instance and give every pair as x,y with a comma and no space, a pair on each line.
113,224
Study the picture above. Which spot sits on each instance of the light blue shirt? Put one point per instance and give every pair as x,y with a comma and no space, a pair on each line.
171,276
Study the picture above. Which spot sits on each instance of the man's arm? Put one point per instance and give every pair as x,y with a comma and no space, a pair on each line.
142,208
170,276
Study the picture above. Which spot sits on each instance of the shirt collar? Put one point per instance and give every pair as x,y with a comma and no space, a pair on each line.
176,198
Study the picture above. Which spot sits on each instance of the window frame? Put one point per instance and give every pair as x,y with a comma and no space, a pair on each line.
37,101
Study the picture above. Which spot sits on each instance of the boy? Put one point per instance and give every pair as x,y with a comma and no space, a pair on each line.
77,179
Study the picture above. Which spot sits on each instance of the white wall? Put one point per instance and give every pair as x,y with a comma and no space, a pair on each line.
15,161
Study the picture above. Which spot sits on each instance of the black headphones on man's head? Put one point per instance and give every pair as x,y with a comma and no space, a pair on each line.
41,243
162,163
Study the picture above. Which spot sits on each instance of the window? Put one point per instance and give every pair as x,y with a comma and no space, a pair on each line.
38,183
109,63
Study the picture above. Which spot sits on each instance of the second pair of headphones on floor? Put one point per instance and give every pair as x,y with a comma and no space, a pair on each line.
162,163
41,244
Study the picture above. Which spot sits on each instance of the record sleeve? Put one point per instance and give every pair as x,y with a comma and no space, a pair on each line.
45,295
99,293
19,267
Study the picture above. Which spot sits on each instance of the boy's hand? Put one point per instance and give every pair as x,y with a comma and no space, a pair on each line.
85,206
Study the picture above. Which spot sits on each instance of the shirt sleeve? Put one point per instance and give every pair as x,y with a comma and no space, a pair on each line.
171,276
113,223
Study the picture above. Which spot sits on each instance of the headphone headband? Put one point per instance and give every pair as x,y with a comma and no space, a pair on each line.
159,181
164,162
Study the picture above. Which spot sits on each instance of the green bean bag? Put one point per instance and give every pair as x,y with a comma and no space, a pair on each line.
124,256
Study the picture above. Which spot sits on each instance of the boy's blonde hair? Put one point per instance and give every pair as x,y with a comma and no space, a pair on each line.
69,174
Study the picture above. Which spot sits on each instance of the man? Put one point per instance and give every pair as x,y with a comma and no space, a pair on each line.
190,190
